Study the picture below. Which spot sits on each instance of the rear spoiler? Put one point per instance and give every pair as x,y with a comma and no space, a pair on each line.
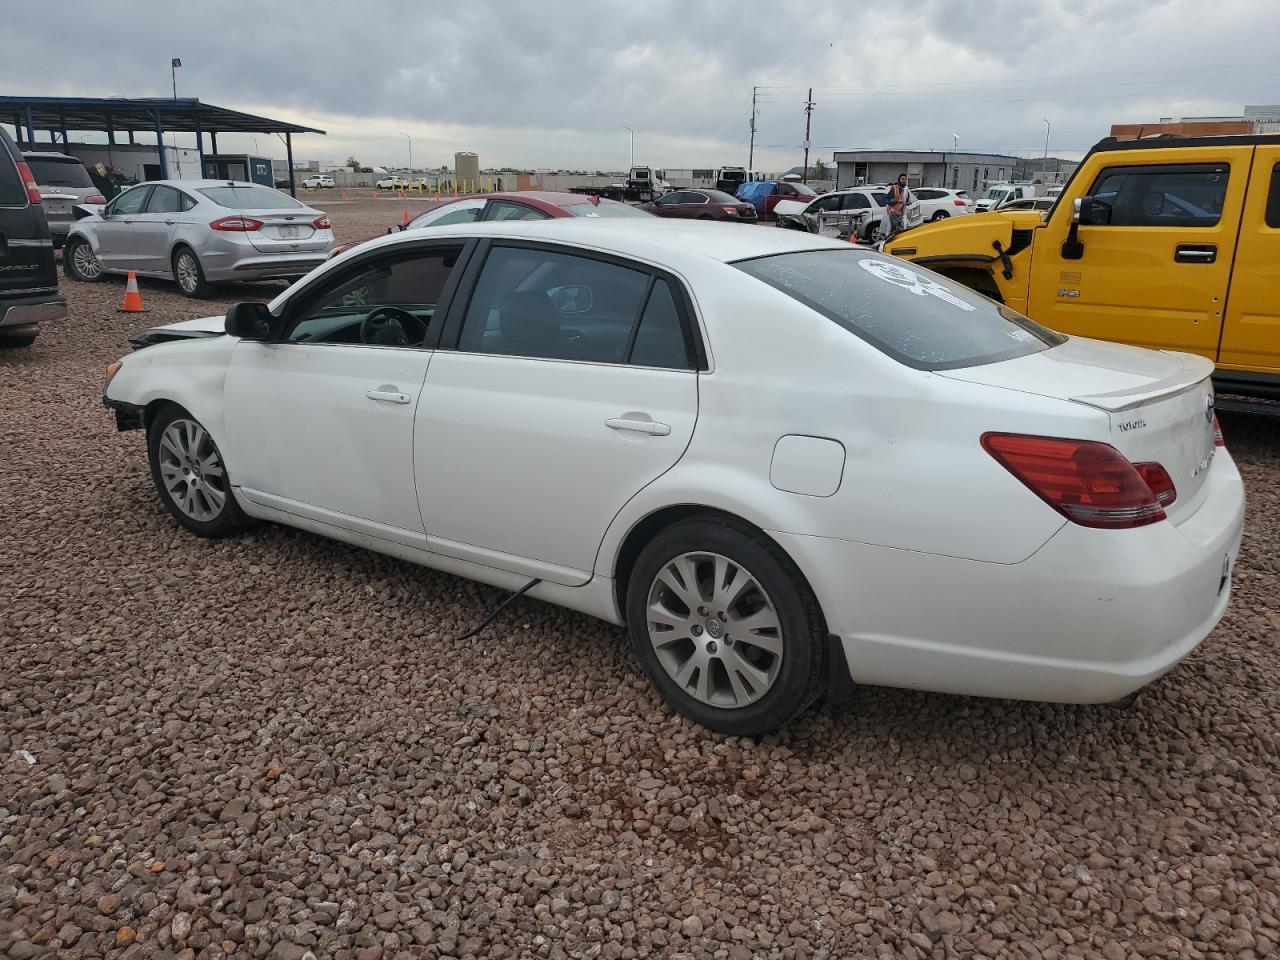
1195,371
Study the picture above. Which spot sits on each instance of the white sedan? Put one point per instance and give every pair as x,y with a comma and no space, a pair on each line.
783,462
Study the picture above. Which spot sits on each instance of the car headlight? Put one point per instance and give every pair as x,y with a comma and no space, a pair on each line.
112,370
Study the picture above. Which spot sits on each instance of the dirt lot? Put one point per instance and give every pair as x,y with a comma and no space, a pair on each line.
270,746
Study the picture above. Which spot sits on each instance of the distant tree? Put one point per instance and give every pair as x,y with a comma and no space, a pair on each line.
819,171
353,163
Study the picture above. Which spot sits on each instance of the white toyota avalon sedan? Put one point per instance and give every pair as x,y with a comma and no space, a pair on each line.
783,462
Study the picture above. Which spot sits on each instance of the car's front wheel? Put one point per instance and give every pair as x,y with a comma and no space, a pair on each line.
79,262
726,627
190,475
872,233
190,275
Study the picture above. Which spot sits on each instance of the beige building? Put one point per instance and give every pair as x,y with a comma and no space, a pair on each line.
466,167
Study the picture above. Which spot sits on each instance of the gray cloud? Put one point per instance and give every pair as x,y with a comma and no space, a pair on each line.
551,83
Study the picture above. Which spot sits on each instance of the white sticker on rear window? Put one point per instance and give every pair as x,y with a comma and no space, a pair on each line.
911,281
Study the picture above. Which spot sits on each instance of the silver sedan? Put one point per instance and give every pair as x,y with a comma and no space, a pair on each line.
198,233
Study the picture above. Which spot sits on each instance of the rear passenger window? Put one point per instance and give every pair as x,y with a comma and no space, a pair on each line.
1273,198
1182,195
660,341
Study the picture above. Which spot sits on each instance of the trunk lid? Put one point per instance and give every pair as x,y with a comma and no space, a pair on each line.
1159,403
286,231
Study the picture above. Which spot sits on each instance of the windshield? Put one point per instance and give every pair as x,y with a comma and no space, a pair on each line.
995,193
242,196
59,173
913,315
604,210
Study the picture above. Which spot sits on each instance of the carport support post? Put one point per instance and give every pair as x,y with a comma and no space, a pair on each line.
31,131
213,142
164,165
200,148
288,152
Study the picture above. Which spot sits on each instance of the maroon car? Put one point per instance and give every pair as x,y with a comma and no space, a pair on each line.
525,205
702,205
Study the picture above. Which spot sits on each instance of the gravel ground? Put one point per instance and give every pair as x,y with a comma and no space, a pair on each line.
271,747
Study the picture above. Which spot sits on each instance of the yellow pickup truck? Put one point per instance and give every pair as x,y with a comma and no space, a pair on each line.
1165,243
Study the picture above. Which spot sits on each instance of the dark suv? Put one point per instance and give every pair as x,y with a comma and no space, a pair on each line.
28,276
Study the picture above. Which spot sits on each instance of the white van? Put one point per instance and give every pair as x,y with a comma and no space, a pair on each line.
998,194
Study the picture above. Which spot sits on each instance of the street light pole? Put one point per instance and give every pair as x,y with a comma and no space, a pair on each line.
174,64
633,144
410,139
1047,127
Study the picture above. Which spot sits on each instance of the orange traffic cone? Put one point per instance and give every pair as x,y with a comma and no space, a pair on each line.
132,298
404,221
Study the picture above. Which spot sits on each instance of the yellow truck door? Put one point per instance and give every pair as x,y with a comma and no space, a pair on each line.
1154,259
1251,335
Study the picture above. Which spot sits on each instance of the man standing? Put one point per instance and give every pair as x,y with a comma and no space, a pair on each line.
899,197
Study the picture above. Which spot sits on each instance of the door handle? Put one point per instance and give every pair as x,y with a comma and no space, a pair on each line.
170,223
389,396
652,427
1195,253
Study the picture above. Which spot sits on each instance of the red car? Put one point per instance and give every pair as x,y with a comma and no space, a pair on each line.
701,205
526,205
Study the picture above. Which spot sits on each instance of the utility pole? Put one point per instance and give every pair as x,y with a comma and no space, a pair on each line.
808,116
751,151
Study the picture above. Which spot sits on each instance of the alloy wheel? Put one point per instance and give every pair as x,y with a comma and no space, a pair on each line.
714,629
86,264
191,470
188,272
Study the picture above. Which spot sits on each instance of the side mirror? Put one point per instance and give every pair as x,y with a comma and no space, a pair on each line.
572,299
252,321
1072,248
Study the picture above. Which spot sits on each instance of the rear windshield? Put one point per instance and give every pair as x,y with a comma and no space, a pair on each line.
243,197
605,210
914,315
59,173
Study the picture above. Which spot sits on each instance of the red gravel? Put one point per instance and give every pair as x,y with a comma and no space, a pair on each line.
271,747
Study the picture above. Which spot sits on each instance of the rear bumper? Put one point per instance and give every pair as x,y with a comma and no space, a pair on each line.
266,267
25,314
1090,617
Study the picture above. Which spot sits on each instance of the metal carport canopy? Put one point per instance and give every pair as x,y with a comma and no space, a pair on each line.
154,114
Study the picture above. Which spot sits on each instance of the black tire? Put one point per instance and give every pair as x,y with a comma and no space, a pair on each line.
189,275
69,267
9,341
801,674
227,520
872,233
940,215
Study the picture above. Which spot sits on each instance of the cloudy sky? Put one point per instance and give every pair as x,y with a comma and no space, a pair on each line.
552,84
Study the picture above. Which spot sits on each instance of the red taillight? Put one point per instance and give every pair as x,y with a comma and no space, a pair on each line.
95,198
237,224
1217,433
28,181
1157,478
321,223
959,203
1089,483
732,210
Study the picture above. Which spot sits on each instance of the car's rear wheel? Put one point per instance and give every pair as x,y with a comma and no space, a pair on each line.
940,215
79,262
726,627
190,275
190,475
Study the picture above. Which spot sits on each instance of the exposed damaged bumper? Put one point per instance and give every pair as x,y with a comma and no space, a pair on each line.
128,415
